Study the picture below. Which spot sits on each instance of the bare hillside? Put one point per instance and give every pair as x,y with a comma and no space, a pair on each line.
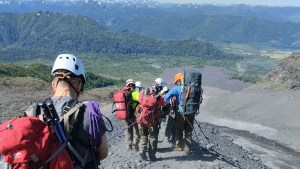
285,76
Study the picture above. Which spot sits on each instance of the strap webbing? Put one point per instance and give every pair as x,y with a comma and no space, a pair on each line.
59,150
69,125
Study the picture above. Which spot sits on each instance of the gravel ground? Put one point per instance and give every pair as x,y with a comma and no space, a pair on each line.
210,150
241,126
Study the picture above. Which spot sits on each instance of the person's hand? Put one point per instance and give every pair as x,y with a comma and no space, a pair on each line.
165,89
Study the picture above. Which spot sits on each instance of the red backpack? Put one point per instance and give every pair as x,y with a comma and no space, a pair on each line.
148,112
122,103
28,143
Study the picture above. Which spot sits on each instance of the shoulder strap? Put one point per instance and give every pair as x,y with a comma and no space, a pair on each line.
35,110
70,122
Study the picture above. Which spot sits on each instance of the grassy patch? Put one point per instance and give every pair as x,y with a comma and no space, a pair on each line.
248,68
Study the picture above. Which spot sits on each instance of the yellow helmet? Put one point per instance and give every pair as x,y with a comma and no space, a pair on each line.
178,77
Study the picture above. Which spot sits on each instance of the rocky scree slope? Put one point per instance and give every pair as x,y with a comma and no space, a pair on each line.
285,76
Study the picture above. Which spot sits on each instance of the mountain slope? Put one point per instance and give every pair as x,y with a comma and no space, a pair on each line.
259,25
53,32
285,76
218,28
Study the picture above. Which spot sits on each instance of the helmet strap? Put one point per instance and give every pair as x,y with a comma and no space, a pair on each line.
70,84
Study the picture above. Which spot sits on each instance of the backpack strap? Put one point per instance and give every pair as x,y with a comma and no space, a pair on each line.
187,94
35,109
69,122
70,119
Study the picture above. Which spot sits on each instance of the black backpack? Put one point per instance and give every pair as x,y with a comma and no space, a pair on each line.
191,92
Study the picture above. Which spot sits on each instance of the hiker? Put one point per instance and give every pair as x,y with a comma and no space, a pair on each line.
138,86
188,93
130,121
179,118
149,135
169,113
68,84
158,86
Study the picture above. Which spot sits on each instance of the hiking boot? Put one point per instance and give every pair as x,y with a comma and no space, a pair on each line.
152,158
143,156
178,148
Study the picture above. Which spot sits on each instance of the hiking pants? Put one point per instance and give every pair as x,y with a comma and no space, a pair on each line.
170,132
129,132
184,124
149,137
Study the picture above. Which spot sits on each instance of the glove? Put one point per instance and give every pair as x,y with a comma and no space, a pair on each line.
165,89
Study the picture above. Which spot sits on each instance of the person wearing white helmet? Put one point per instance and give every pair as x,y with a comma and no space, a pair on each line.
158,85
67,84
138,86
67,67
149,137
132,133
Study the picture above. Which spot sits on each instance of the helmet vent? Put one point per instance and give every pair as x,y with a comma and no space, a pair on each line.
76,67
67,57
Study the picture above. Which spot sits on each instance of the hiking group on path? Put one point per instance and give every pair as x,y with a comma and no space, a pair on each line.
144,109
60,131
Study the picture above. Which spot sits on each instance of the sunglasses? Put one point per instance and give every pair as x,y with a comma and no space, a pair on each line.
131,85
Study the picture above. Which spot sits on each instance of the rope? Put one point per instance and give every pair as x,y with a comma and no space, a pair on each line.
120,132
206,138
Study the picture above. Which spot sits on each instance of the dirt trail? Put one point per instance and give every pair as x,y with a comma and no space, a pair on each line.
210,150
244,127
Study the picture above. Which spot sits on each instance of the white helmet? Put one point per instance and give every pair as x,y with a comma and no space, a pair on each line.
159,81
70,63
129,81
138,84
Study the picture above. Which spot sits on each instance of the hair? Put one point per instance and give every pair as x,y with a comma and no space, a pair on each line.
67,82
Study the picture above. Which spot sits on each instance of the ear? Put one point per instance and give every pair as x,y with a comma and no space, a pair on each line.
54,84
79,86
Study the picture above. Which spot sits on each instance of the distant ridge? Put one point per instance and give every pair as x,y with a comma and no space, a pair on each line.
53,32
265,26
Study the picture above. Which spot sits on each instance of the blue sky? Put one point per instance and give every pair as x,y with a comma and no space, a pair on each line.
250,2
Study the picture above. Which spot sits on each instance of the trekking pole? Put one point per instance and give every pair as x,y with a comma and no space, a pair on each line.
53,111
198,140
201,131
49,118
209,144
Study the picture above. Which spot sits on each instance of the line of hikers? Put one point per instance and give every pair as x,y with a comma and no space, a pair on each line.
143,109
59,131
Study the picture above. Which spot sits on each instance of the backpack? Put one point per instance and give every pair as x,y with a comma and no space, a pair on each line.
30,143
122,103
191,92
148,111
